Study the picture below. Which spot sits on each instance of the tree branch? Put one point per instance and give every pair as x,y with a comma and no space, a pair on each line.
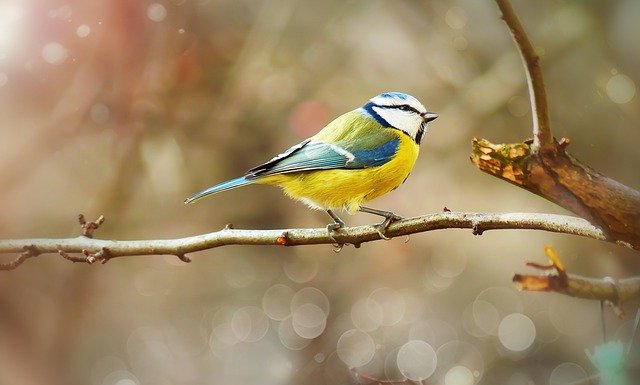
542,138
565,181
559,281
100,250
545,168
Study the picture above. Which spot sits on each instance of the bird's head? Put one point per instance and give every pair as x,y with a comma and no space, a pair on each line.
400,111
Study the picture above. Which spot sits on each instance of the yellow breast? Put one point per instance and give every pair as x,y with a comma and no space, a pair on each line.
348,189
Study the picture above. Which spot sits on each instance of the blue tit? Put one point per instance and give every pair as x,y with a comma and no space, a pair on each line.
359,156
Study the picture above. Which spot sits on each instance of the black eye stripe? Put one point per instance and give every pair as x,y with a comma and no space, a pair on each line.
401,107
404,107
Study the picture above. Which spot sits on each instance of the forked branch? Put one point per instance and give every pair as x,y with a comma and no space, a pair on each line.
545,168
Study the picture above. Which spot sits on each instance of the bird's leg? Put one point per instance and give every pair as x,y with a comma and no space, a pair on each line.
337,224
389,218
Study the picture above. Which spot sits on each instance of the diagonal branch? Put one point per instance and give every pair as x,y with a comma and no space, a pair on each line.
101,250
542,138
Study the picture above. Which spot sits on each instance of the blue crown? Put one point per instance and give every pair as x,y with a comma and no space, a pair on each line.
395,95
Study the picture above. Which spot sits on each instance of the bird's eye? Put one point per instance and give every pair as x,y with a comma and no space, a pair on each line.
404,107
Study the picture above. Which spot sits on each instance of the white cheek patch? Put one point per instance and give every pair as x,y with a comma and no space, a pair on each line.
407,122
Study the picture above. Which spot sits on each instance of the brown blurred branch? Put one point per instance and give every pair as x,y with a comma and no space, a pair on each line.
100,250
559,281
546,169
362,377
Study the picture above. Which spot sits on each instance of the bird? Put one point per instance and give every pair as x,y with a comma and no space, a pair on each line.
359,156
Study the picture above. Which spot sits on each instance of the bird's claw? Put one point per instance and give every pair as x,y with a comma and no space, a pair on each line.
382,227
331,228
334,226
388,220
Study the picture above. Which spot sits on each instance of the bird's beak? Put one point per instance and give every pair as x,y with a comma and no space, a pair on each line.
429,116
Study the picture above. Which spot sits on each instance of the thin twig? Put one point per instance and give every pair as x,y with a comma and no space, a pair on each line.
103,250
89,227
542,137
28,251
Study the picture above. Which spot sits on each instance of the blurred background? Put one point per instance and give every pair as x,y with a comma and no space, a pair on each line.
124,108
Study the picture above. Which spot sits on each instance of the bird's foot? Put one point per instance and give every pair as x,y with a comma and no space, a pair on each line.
331,229
382,227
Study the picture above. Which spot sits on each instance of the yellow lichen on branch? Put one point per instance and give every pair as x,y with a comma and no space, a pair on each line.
501,160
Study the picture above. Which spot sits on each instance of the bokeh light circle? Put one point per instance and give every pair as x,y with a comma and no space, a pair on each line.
459,375
54,53
505,299
308,320
620,89
120,377
485,316
289,338
276,302
156,12
460,353
391,370
392,304
83,30
249,324
126,381
490,306
310,295
366,314
355,348
567,373
516,332
417,360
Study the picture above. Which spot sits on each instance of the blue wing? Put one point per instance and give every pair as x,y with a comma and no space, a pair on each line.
312,155
228,185
316,155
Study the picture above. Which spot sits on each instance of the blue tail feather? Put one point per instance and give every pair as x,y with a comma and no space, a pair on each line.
228,185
